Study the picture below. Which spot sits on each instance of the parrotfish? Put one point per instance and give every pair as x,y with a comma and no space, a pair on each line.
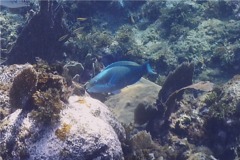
117,76
14,3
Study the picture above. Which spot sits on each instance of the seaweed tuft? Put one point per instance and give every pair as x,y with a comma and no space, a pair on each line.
48,105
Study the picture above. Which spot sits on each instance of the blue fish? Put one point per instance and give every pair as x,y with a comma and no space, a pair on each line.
117,76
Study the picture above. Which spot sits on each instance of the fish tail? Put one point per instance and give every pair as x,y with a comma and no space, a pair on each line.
149,69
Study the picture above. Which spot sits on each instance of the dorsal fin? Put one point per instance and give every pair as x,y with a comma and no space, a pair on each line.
122,63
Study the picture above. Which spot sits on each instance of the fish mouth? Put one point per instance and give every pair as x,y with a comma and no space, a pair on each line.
88,88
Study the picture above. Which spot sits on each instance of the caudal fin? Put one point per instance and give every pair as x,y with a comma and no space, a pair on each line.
149,69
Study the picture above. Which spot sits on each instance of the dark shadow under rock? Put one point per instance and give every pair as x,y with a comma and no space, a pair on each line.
40,37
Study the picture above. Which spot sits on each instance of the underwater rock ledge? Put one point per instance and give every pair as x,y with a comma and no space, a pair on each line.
84,129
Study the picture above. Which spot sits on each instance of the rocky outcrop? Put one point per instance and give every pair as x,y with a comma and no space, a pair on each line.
7,75
53,125
86,130
222,124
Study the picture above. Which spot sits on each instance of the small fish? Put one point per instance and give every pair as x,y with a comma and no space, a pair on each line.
14,3
82,19
67,36
117,76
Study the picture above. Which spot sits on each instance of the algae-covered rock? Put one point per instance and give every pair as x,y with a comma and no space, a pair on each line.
222,123
53,126
24,85
7,75
86,130
225,103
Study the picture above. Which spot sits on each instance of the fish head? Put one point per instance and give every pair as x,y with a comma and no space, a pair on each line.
98,83
100,86
90,85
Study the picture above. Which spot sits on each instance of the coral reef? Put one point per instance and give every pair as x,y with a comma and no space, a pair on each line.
176,123
35,89
56,126
39,38
176,80
184,123
209,120
51,93
73,68
178,18
10,32
24,85
85,131
144,147
8,73
222,121
48,105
